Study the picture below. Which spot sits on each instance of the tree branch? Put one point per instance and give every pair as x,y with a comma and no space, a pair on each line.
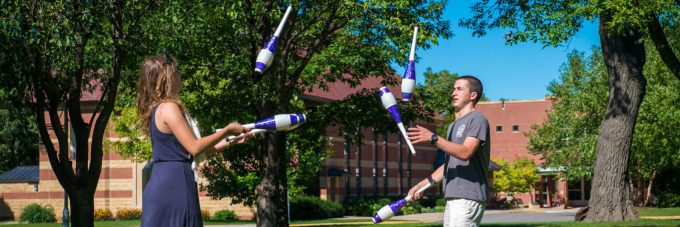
138,17
661,43
322,41
108,98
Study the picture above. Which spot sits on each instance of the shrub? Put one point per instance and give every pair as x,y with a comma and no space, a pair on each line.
436,209
308,207
412,208
103,214
205,214
34,213
224,215
667,199
360,206
380,203
129,214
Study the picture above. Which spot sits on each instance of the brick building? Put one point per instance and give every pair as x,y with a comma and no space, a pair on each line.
508,121
382,165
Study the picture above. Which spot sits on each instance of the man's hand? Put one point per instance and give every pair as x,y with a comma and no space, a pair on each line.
414,194
419,134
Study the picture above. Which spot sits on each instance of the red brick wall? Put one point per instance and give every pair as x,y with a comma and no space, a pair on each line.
507,144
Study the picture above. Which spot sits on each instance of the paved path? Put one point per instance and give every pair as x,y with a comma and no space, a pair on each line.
544,216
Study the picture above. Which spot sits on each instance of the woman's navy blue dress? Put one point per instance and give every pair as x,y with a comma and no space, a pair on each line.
171,195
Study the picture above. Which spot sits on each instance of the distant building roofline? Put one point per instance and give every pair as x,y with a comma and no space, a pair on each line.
21,174
516,101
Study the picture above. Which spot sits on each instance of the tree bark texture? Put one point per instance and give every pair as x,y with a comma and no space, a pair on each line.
624,57
272,191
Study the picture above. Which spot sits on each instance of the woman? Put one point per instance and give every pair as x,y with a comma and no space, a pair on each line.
171,197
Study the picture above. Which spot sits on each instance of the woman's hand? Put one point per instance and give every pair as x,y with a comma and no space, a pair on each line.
235,128
247,136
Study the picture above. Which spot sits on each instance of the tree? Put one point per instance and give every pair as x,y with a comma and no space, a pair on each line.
18,134
58,50
217,42
622,25
568,138
518,177
569,135
436,95
656,144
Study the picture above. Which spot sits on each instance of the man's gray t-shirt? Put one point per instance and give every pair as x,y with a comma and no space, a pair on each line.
467,179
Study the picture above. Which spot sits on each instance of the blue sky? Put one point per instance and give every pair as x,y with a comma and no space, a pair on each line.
517,72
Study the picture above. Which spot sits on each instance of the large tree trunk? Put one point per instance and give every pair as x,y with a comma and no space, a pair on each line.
82,207
624,57
272,192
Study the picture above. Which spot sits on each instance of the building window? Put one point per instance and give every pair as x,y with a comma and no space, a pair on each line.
515,128
579,189
499,128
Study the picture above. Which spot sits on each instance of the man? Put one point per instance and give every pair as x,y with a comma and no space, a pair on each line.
467,156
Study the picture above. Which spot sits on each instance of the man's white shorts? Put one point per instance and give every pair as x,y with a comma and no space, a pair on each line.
463,212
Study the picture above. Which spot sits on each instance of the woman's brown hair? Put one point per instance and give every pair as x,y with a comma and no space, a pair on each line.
159,82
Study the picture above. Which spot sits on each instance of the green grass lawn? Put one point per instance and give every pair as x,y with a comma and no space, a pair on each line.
675,211
359,222
322,222
554,224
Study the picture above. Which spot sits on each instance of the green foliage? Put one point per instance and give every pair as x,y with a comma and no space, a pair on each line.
411,208
305,207
380,203
134,144
129,214
667,199
435,209
368,206
554,22
18,132
34,213
103,214
518,177
224,215
569,136
656,140
362,206
436,95
205,214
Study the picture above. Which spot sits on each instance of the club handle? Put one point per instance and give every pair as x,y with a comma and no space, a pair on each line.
254,131
408,142
283,21
429,184
412,56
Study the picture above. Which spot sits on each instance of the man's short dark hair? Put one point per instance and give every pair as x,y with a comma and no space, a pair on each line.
475,86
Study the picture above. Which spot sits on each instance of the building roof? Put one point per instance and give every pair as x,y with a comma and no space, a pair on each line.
339,90
494,167
21,174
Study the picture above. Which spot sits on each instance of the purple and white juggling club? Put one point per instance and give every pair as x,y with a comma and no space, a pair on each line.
388,211
390,103
279,122
266,55
408,83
